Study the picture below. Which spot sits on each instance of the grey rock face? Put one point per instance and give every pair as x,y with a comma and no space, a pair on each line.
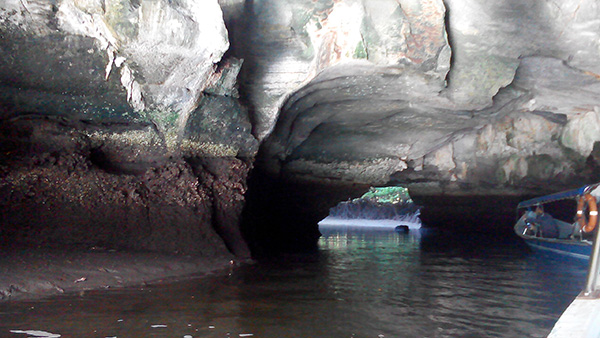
361,90
219,127
44,71
489,37
165,51
149,60
515,108
448,97
287,43
134,94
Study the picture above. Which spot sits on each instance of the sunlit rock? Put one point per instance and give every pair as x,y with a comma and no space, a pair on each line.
489,37
287,43
582,132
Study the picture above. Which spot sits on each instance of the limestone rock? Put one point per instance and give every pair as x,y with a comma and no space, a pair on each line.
448,97
287,43
523,121
169,49
582,132
162,54
219,127
488,38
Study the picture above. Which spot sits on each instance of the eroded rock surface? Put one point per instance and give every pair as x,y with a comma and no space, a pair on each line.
287,43
153,60
66,182
106,110
516,111
512,111
450,98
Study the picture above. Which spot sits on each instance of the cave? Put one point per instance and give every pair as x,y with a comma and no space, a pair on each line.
229,129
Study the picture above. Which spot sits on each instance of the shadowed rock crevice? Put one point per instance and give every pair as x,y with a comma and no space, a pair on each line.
285,219
225,179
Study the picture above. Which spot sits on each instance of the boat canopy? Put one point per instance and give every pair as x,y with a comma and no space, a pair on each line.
569,194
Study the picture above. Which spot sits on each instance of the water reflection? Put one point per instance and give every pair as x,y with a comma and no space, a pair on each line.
444,285
359,284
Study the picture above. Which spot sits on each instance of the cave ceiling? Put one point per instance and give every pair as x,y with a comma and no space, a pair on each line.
437,95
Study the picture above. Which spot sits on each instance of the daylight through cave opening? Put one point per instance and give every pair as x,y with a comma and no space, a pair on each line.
380,207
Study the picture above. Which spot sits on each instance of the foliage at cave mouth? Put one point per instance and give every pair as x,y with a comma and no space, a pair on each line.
377,203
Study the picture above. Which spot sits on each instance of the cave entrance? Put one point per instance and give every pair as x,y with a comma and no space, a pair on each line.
380,207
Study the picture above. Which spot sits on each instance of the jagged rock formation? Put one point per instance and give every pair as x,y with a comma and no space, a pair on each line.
508,117
287,43
453,98
121,127
512,112
155,60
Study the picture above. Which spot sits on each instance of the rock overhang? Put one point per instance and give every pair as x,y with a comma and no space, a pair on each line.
121,127
447,97
411,83
508,117
426,137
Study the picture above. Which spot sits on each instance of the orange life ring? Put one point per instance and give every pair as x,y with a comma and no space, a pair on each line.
593,213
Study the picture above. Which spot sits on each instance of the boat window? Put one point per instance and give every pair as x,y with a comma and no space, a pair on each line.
563,210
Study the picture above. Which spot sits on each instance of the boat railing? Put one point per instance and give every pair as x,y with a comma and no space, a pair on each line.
592,289
566,230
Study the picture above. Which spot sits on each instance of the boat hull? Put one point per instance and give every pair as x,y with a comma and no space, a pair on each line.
565,247
579,250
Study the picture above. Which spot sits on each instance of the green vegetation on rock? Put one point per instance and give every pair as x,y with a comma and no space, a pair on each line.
387,195
361,51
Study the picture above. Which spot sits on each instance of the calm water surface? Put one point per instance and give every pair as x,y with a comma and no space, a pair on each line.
358,284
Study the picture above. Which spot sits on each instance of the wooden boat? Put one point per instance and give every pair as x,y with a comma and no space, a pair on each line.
561,223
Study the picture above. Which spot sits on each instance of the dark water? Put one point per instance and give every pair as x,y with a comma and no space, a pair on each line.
359,284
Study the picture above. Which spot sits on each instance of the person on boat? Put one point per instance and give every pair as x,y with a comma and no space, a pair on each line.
546,223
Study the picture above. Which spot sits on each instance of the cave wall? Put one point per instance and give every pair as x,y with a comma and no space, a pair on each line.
162,104
114,186
496,97
122,127
285,44
460,101
151,60
513,108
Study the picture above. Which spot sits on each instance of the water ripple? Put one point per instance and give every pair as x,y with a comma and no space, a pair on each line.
369,284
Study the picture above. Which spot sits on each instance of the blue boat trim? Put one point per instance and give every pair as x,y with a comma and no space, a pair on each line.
558,196
568,241
561,252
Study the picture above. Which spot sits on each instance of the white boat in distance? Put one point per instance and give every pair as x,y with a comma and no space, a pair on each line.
406,222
